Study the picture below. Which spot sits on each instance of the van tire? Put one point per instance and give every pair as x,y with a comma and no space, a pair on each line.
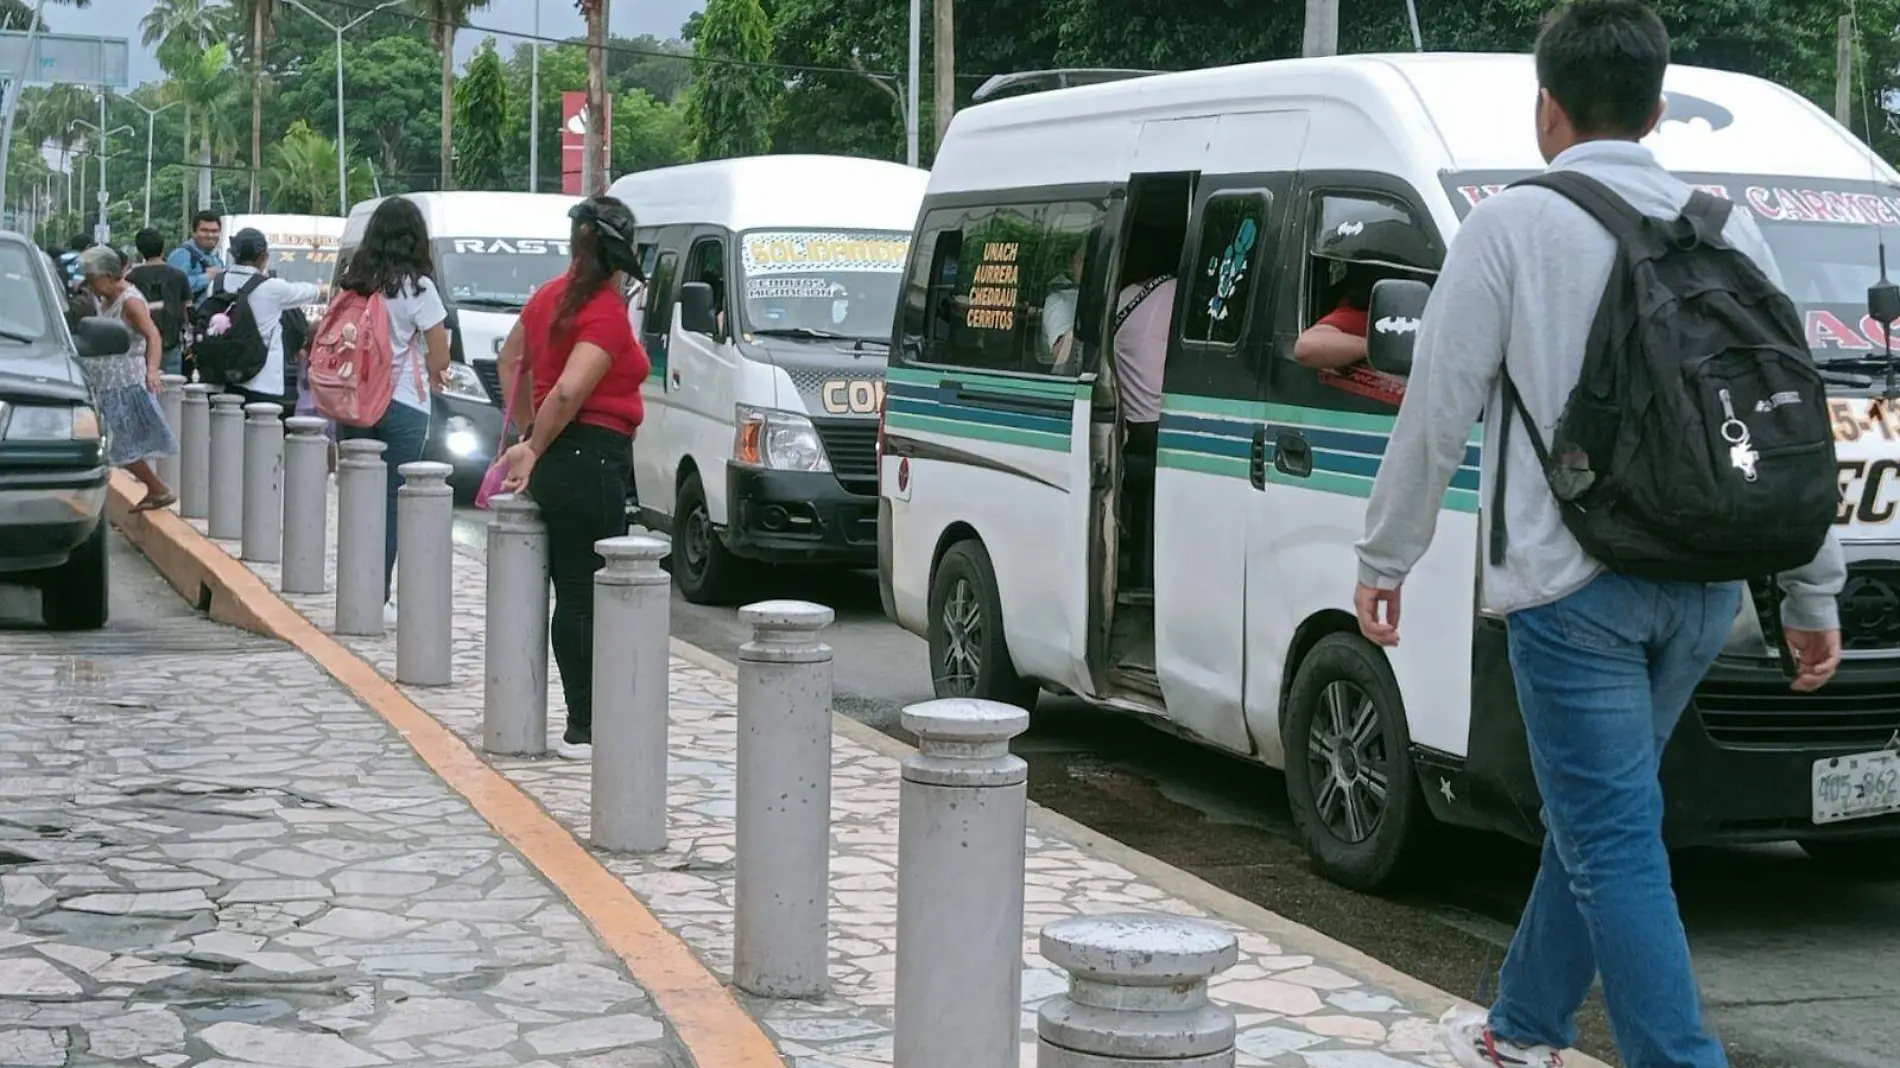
74,597
1340,683
1861,858
969,653
705,569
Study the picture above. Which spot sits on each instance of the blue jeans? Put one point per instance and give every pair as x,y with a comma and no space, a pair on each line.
172,361
403,431
1603,675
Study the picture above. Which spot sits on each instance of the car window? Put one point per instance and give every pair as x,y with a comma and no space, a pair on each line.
24,313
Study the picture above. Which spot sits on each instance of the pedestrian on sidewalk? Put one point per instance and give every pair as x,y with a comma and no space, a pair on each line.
198,257
394,260
127,385
577,369
1605,661
167,296
274,303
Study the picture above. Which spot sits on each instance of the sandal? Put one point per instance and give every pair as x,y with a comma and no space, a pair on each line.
155,501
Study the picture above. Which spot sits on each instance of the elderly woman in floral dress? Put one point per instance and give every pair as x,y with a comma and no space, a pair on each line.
127,384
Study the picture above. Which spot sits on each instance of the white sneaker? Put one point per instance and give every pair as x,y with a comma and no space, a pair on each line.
575,751
389,615
1466,1035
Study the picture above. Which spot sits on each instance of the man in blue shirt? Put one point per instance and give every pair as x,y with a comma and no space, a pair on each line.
198,257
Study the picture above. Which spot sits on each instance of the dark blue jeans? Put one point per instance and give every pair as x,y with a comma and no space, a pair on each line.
1603,675
403,431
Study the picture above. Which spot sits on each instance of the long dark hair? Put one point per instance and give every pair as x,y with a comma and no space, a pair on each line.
601,236
394,254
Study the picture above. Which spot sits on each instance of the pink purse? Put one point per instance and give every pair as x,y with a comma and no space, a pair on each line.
491,479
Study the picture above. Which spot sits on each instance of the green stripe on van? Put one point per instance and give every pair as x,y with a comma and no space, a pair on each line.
1023,386
959,428
1205,463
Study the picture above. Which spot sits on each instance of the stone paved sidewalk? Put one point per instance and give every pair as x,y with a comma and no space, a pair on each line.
1293,1010
211,855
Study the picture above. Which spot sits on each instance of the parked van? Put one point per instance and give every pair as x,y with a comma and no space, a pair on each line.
767,317
302,248
492,250
1261,190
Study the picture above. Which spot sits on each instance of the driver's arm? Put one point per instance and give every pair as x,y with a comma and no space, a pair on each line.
1325,347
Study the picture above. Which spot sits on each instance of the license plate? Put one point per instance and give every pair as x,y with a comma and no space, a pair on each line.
1856,787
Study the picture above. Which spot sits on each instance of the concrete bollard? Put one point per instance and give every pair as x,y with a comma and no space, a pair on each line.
632,599
425,551
1137,993
194,453
263,484
961,819
781,901
306,504
171,401
362,503
515,642
226,520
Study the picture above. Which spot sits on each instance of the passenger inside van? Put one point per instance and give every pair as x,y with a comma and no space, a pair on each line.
1358,243
1058,315
1338,339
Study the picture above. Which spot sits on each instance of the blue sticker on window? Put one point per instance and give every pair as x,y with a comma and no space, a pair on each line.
1230,268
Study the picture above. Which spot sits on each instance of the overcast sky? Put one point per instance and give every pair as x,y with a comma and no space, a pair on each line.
661,18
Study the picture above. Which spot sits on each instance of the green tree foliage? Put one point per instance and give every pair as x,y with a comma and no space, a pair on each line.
481,116
300,173
731,106
657,72
445,17
390,105
648,133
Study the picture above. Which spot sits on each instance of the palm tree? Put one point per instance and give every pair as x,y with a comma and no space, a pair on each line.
205,85
445,17
180,32
298,171
261,16
595,148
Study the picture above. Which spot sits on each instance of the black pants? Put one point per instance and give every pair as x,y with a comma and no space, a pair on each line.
1138,480
581,488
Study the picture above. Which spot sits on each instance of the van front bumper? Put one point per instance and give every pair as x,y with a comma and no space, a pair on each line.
799,517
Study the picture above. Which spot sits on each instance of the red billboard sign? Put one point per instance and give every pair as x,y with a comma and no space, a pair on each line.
574,138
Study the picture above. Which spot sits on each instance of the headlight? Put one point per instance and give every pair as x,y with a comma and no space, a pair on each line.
464,383
781,441
49,423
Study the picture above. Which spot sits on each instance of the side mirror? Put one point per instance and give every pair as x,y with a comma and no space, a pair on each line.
696,309
96,336
1398,304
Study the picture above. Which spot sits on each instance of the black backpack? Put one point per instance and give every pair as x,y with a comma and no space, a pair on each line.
1696,446
235,356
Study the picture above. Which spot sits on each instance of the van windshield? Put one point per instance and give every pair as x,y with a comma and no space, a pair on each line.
822,283
1825,235
295,264
497,273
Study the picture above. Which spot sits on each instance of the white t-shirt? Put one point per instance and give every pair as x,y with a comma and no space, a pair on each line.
412,313
1141,351
268,302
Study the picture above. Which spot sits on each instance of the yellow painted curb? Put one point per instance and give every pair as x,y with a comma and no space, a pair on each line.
709,1021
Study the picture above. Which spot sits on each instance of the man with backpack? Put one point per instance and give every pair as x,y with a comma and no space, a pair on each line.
1650,403
167,295
198,257
241,326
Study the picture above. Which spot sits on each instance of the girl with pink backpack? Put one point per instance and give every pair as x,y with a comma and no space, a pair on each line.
380,345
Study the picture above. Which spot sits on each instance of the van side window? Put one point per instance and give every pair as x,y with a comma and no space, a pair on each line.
707,263
1232,246
660,293
997,288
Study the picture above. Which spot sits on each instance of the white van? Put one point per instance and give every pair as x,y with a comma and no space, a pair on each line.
492,250
767,317
1002,476
302,248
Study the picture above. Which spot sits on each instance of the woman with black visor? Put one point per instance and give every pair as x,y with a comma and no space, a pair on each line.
577,371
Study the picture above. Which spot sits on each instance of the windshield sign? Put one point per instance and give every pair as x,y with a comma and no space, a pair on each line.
822,283
305,265
498,273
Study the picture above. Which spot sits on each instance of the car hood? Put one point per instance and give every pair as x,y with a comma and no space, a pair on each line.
40,372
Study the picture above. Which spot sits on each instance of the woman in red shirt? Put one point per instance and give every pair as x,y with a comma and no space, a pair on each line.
577,405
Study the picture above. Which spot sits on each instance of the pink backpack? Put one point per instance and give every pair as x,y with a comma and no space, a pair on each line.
351,361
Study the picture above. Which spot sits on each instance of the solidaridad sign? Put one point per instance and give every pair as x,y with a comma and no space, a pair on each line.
67,58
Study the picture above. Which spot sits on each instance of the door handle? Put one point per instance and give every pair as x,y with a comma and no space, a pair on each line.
1293,454
1257,458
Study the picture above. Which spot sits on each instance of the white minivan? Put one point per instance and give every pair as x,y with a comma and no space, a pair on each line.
302,248
492,250
1263,189
767,315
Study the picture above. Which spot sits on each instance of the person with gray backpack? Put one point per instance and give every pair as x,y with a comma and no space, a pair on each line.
1655,432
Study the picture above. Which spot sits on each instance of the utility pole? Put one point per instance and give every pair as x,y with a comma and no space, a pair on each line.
534,105
946,68
151,119
1322,28
1844,73
910,89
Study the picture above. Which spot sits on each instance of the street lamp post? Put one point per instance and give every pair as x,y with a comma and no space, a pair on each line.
534,105
342,159
100,231
151,117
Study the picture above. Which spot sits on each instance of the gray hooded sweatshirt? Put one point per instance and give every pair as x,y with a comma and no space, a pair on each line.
1520,288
